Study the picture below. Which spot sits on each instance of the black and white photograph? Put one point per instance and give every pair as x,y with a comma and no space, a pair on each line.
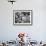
22,16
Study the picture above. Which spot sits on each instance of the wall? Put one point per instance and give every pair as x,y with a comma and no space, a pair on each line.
37,31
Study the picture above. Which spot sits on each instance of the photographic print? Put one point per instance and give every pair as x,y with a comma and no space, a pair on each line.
22,16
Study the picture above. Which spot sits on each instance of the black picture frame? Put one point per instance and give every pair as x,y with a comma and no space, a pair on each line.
22,17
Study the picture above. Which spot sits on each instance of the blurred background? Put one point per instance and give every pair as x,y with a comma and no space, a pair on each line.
9,31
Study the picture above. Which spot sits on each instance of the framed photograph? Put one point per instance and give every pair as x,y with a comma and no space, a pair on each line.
22,16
